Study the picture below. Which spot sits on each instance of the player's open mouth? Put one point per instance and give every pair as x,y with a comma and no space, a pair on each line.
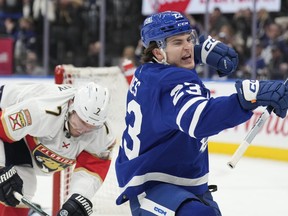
186,57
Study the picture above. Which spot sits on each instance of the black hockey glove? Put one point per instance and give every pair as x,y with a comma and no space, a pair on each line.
217,55
76,205
10,181
254,93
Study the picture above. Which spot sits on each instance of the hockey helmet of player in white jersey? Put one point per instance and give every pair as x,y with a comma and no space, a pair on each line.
91,103
160,26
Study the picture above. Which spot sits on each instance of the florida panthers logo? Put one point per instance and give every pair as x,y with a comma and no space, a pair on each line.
48,161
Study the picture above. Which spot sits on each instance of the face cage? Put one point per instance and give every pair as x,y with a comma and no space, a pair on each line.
194,39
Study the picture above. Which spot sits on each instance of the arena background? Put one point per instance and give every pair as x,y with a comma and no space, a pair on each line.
259,184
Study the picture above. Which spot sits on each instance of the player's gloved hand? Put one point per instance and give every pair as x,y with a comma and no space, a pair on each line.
254,93
76,205
10,181
217,55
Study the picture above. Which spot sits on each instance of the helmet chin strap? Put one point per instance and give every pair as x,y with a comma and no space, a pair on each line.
164,60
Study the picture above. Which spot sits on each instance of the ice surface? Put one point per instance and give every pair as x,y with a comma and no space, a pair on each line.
256,187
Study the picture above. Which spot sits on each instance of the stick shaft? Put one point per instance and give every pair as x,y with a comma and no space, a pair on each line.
28,203
238,154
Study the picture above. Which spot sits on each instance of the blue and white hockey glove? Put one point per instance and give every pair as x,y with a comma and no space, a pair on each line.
76,205
254,93
217,55
10,181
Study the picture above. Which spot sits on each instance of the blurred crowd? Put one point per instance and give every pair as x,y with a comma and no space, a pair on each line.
73,31
74,35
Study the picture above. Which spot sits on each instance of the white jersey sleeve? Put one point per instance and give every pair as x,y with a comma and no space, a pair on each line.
85,184
93,164
37,110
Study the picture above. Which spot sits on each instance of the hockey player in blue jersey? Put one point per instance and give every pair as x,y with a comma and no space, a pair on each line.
162,167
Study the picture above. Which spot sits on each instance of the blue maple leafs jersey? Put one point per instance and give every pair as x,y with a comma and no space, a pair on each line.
169,118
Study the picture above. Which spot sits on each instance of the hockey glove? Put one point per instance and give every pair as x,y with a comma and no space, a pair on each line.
10,181
76,205
254,93
217,55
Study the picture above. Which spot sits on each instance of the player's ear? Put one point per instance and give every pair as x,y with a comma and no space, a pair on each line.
158,54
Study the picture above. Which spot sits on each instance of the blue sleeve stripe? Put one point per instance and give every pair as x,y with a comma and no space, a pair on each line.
185,108
196,117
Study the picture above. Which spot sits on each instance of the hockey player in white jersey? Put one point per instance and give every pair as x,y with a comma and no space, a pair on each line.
46,128
162,167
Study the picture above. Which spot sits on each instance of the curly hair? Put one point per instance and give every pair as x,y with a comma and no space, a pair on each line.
147,55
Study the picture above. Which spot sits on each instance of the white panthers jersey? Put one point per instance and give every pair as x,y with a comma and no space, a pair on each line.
36,113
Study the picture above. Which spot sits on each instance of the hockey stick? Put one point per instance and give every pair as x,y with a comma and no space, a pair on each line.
28,203
238,154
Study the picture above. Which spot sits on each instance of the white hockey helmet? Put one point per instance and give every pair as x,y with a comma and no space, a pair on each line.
91,103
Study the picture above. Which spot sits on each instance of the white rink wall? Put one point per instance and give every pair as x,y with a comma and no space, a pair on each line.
26,79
